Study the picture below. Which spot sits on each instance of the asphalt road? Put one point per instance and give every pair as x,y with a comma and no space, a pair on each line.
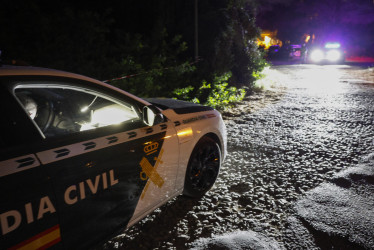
278,151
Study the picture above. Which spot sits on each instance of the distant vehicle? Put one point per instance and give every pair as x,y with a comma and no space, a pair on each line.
273,51
81,160
329,52
286,52
294,51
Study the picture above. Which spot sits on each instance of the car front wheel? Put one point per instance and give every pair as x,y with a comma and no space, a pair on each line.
203,168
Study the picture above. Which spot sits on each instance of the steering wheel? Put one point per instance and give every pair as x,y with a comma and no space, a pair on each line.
45,115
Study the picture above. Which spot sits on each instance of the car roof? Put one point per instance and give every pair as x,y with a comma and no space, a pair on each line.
10,70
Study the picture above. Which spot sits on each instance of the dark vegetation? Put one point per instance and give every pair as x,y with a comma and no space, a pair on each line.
152,39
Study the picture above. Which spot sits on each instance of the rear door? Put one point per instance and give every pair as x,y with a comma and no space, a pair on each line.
28,207
98,154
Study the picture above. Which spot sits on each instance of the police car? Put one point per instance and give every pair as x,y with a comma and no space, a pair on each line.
82,160
329,52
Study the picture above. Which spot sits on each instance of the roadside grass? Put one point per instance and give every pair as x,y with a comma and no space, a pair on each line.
219,95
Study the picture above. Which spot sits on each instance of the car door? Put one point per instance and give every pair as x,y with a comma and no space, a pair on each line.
100,156
28,211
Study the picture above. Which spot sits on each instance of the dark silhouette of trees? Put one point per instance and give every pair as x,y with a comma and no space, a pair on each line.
111,38
53,34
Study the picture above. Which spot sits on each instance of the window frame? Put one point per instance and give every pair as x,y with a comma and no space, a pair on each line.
16,82
16,128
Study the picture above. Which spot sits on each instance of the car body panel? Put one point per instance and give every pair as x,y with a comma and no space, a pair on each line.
27,206
201,124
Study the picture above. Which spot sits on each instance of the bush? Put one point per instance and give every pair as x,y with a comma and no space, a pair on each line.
153,68
216,94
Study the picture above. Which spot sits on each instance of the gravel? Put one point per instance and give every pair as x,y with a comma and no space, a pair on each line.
282,143
339,213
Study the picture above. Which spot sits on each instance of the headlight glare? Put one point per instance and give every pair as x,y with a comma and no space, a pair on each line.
333,55
316,55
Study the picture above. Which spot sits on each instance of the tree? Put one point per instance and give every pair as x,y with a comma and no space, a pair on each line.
228,33
53,34
152,39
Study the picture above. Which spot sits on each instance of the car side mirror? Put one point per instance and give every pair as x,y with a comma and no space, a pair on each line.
152,115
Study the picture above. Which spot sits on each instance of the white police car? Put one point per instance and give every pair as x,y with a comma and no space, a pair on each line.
82,160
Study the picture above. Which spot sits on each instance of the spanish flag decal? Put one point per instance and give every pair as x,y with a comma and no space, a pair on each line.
43,240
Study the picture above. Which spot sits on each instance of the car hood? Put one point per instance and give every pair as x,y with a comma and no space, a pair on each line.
179,107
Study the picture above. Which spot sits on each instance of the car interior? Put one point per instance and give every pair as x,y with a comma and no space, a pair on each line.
60,111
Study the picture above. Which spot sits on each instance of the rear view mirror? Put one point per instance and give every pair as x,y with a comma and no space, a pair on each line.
152,115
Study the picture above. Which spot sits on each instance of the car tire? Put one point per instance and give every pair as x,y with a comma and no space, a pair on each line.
203,168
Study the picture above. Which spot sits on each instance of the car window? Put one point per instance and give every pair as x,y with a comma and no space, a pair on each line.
65,110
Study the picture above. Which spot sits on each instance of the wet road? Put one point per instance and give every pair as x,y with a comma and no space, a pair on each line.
322,123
